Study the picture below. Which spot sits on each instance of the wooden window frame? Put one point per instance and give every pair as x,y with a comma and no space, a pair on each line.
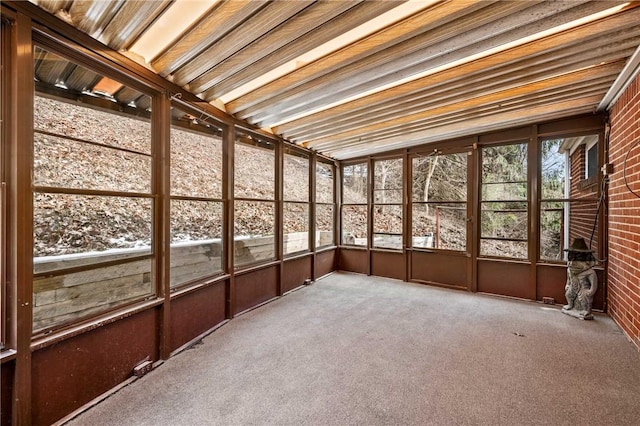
366,205
276,200
317,203
76,55
223,131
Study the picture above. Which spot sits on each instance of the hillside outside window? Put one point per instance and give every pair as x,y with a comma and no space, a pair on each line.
92,193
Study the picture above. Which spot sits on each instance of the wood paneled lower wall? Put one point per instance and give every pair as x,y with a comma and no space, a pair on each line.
295,271
74,371
353,260
387,264
551,280
196,312
6,384
94,361
494,276
504,278
442,269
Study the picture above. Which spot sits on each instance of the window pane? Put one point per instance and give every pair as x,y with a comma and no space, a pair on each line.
504,224
561,223
504,172
76,224
254,227
90,133
504,220
65,163
442,226
354,225
511,249
504,191
553,172
78,120
196,240
59,299
324,225
387,226
506,163
504,230
196,157
254,168
296,227
440,178
354,188
324,183
592,161
387,184
296,177
387,196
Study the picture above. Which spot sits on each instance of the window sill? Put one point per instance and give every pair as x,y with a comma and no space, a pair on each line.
7,355
589,183
190,288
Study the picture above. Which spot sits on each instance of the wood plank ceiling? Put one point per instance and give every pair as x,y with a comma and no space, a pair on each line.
415,72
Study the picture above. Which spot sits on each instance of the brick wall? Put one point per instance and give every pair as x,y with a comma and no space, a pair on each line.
624,214
583,214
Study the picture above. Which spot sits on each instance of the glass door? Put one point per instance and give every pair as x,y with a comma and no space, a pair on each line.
440,227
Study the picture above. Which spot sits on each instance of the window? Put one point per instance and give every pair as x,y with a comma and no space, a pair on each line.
354,204
296,201
196,198
387,203
591,166
92,199
504,202
567,211
325,204
439,201
5,87
254,199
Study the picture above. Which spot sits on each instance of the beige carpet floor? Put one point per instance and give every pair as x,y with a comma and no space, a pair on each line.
358,350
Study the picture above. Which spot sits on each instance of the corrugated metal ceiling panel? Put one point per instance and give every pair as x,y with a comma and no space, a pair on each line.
449,69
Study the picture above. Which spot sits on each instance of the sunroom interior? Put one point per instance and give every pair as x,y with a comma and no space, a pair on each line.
168,166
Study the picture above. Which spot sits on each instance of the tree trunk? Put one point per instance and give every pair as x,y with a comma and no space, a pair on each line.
427,182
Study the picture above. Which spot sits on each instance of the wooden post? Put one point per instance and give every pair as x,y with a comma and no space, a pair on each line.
21,200
161,151
534,167
228,143
312,213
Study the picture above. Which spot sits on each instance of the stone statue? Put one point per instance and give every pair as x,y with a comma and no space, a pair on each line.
582,281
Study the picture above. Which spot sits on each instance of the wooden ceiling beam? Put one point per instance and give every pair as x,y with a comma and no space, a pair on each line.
480,125
258,24
612,25
221,19
379,41
293,29
54,6
613,43
130,21
470,41
92,16
553,82
341,24
581,89
484,84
